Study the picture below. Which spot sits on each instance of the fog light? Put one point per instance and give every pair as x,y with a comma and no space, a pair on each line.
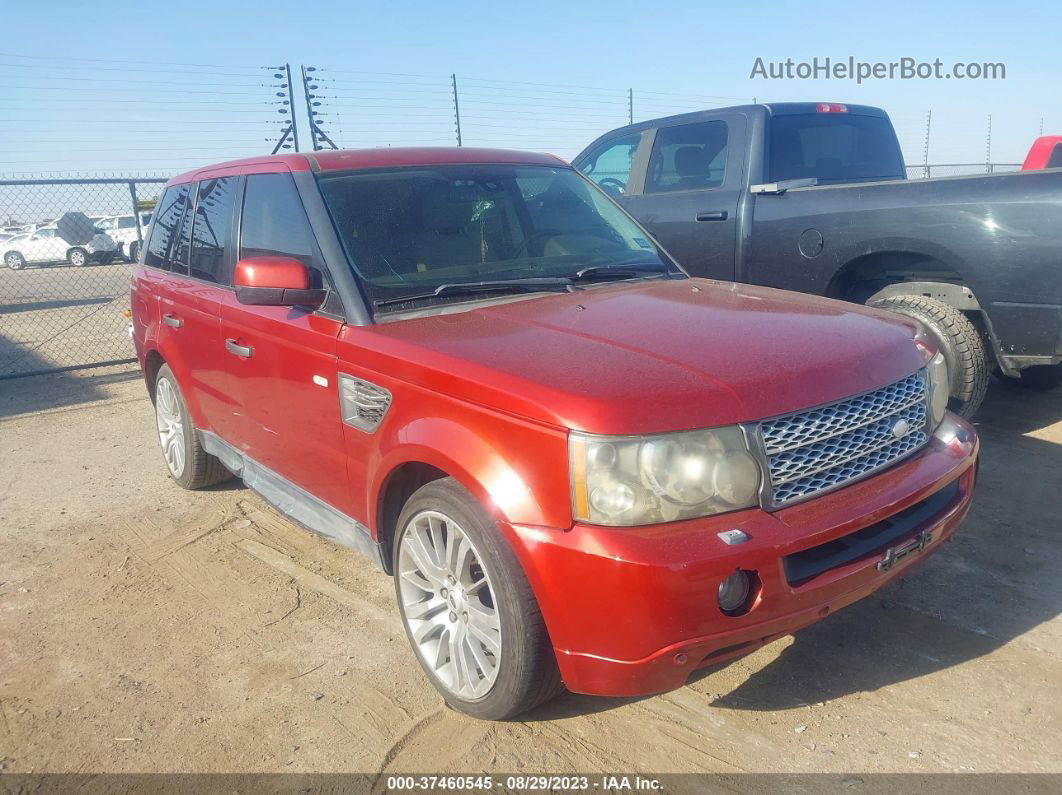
734,592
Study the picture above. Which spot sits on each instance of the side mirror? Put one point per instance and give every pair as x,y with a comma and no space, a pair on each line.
274,281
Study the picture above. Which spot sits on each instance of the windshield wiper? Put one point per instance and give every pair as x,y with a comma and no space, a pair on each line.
600,273
529,285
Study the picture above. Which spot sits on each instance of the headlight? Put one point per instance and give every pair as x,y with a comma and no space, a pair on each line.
939,386
634,480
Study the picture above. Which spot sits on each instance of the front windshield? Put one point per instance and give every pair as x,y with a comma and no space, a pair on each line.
407,231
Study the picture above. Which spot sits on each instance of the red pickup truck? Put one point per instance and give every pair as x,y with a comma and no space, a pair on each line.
579,464
1046,152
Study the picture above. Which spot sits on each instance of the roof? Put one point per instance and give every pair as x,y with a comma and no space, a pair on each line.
381,157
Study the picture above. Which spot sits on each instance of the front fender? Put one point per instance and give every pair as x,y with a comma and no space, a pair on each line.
513,468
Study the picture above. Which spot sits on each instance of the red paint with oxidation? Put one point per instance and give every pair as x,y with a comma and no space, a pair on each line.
488,396
271,272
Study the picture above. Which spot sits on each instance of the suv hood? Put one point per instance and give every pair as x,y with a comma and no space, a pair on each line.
648,356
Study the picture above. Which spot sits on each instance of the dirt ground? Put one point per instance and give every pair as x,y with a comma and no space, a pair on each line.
148,629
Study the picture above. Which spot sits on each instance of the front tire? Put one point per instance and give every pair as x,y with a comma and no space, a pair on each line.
77,257
189,465
957,338
467,608
14,260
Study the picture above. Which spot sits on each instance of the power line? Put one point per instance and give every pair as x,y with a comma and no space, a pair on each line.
118,60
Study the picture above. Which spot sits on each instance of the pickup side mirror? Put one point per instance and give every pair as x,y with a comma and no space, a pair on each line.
275,281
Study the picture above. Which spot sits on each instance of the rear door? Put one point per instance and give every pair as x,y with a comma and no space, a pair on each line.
189,300
689,198
283,359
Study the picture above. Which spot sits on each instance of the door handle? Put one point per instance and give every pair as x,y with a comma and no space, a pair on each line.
243,351
172,322
713,215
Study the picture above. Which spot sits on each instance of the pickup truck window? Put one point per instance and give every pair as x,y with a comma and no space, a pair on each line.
688,157
610,164
833,147
408,231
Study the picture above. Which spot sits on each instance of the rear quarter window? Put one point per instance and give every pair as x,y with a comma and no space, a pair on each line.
166,229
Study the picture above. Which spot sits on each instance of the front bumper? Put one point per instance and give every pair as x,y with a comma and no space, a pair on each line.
633,611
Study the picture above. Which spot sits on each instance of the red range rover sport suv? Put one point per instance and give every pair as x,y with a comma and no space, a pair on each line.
580,466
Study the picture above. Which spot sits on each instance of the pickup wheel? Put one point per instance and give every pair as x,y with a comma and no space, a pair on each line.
1038,377
188,463
957,338
467,608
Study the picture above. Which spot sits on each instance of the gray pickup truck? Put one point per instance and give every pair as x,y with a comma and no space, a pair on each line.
814,197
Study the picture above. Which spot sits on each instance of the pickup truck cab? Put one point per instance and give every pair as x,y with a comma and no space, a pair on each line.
1046,152
814,197
579,464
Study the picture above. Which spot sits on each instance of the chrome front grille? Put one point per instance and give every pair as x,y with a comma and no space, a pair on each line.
827,447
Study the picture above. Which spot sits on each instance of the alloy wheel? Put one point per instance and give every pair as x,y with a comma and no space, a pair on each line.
170,426
447,602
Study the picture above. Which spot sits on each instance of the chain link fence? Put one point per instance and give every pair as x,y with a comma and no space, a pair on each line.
66,246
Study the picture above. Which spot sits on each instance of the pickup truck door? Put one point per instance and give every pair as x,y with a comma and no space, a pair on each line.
688,191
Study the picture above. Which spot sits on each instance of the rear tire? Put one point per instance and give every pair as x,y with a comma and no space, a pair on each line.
957,338
474,624
77,257
1038,377
14,260
134,250
189,465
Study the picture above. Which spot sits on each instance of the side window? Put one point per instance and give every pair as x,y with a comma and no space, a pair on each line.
688,157
166,230
1056,157
610,164
45,233
126,222
183,244
210,232
274,221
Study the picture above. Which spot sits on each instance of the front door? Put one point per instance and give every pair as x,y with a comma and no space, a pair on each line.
689,199
283,359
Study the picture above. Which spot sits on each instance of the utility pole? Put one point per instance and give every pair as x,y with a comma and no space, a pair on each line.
318,137
630,106
988,146
287,100
925,148
457,108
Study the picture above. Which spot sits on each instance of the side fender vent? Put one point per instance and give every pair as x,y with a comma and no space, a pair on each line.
361,404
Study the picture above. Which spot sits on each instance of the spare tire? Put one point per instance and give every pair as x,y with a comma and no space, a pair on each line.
957,338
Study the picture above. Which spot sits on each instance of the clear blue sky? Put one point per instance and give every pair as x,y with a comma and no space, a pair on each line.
543,75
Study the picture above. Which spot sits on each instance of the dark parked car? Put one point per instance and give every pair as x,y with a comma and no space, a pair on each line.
814,197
